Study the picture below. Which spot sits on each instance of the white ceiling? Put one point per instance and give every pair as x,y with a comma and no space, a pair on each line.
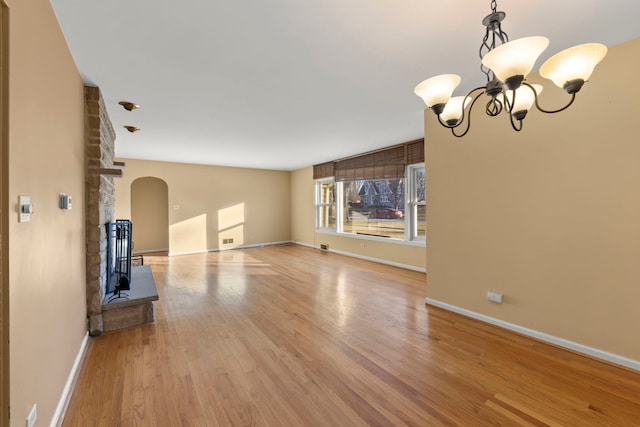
284,84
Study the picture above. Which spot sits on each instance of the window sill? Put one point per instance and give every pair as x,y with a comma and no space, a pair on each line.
416,243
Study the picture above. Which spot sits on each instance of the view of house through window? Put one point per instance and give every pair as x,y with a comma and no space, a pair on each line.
374,207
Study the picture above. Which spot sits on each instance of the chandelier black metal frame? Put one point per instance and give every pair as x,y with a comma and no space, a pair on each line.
506,65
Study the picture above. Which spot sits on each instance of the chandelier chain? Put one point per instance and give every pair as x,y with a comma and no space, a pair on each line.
493,36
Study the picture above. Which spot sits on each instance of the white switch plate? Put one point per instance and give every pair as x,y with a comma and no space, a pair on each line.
24,201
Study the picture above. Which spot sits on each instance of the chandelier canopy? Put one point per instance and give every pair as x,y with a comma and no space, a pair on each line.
506,65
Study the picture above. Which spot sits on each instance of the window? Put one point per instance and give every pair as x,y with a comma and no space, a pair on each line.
384,208
325,204
416,202
379,194
374,207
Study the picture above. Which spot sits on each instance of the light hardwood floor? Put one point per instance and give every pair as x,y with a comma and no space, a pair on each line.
291,336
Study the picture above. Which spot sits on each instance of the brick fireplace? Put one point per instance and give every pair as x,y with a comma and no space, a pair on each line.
100,197
137,307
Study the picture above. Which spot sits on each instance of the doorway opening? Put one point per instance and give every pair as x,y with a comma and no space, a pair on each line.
150,215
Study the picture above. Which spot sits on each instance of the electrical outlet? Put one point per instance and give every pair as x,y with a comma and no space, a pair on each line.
324,246
33,416
494,297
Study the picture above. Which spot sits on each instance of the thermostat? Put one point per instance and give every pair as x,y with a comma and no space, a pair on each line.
65,201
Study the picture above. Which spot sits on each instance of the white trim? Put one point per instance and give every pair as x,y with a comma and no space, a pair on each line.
421,243
256,245
561,342
305,244
366,258
202,251
150,251
380,261
58,415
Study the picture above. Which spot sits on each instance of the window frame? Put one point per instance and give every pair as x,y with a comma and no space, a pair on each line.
411,203
319,204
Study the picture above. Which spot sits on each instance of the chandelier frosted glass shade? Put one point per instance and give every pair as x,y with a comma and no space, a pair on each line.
453,111
515,58
437,90
524,98
575,63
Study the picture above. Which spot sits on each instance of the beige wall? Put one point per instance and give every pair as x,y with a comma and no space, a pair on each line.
46,255
215,203
549,216
150,214
302,206
303,230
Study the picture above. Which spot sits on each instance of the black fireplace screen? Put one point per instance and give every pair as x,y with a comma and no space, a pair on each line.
118,255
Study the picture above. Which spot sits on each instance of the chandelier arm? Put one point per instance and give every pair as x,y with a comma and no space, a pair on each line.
513,124
535,94
481,88
444,124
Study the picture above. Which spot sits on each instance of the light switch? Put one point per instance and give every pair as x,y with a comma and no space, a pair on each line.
25,208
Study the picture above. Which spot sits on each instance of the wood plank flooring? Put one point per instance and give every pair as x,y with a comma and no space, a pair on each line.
292,336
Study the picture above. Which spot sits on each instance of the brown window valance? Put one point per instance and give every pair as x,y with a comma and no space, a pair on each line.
387,163
323,170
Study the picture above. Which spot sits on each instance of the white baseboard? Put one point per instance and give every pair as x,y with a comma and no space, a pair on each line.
305,244
256,245
58,415
201,251
149,251
366,258
560,342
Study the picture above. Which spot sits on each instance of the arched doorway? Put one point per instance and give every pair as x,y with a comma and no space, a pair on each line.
150,215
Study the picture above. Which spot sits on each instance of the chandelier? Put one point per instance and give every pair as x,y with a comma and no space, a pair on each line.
506,65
